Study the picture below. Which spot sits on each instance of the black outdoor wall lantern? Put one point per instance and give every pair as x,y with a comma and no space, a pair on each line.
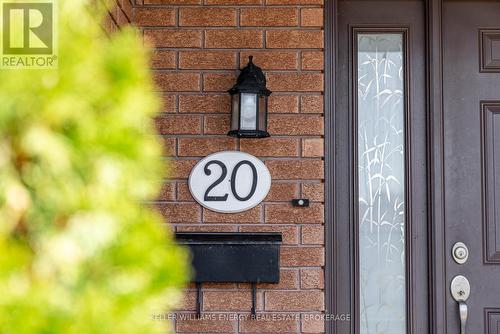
249,103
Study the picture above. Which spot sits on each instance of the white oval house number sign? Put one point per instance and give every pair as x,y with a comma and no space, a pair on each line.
229,181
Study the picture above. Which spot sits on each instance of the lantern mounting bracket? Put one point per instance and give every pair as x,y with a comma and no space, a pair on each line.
248,134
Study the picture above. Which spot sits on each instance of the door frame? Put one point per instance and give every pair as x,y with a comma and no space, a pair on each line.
339,295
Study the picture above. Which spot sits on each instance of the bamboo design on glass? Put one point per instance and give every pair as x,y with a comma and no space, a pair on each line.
381,183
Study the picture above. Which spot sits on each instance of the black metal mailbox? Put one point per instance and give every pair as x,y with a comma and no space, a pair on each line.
233,258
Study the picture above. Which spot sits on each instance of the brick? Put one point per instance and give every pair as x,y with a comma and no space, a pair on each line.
205,325
282,192
150,17
178,81
172,2
233,2
163,59
169,147
188,301
294,2
119,16
312,323
206,228
313,147
294,39
183,193
218,82
215,285
205,103
302,256
170,228
227,300
207,60
286,213
294,125
167,192
295,82
249,216
283,104
109,25
295,169
123,19
311,17
288,281
294,301
269,17
233,39
312,104
179,124
313,235
271,60
200,147
311,279
180,169
127,6
216,124
173,38
271,147
207,17
180,213
112,10
289,233
314,191
313,60
169,103
281,324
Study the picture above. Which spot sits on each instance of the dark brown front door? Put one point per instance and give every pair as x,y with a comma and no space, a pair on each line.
471,155
417,166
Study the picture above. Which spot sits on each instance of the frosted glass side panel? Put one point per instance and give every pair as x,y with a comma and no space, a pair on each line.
381,183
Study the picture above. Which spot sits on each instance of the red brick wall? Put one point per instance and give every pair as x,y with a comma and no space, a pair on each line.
118,15
200,45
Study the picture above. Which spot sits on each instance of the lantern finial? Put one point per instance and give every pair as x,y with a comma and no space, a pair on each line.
251,79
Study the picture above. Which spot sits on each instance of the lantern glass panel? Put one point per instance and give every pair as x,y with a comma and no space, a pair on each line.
235,117
248,111
263,112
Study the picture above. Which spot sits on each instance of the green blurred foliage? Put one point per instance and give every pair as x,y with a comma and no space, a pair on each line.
79,250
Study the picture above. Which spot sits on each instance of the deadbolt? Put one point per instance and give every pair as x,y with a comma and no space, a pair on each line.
460,253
